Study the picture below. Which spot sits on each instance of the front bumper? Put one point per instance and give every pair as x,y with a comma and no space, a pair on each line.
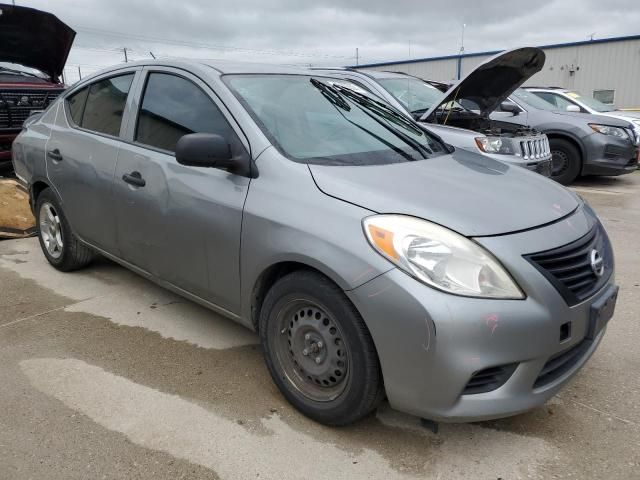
431,343
609,156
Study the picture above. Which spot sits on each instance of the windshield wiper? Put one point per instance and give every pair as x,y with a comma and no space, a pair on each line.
335,98
331,94
385,112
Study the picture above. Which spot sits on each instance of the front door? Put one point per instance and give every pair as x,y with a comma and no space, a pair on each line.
181,224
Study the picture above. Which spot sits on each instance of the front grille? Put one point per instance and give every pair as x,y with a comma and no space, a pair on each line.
489,379
17,105
561,363
535,148
569,267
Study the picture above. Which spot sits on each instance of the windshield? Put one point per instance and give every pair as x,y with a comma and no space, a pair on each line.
330,122
592,103
414,94
533,100
17,69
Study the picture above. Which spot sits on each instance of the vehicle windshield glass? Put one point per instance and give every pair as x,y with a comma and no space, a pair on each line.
414,94
533,100
330,122
592,103
17,69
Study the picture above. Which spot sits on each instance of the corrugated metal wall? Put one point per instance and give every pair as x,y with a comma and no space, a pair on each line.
601,66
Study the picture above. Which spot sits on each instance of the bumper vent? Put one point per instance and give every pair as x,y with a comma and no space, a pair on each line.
561,363
569,268
489,379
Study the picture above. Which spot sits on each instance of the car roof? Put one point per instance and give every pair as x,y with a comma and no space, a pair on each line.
221,66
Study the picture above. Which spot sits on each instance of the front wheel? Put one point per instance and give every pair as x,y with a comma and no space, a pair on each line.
318,349
565,163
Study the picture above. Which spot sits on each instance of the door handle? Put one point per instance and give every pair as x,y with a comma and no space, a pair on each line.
134,178
55,155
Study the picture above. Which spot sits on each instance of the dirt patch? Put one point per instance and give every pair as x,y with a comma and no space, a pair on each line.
16,219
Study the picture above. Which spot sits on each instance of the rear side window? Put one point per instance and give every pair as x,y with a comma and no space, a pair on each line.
172,107
76,105
105,105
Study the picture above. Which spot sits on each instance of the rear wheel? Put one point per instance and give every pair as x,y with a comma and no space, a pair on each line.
566,162
318,349
59,245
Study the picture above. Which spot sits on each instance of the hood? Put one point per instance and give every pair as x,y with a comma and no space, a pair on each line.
489,84
35,39
468,193
612,120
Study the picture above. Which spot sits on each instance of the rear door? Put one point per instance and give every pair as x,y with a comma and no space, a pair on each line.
181,224
82,152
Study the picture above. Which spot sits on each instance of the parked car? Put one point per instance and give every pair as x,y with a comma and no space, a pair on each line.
573,101
371,259
581,143
34,46
471,131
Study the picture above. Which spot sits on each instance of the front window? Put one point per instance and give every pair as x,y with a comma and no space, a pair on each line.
592,103
331,122
530,98
414,94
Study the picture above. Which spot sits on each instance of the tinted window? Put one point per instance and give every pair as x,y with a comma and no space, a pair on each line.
105,105
76,105
172,107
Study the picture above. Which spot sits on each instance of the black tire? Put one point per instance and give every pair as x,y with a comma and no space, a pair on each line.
70,253
361,386
566,161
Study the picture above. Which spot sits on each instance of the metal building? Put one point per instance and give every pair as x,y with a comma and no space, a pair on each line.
607,69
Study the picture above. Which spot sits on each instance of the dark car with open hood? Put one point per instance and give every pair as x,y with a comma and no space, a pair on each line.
34,46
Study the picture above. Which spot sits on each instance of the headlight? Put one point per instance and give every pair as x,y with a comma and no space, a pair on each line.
621,133
498,145
439,257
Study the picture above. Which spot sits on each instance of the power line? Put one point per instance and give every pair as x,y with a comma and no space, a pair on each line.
97,31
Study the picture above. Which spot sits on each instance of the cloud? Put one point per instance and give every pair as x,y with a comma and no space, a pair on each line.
328,31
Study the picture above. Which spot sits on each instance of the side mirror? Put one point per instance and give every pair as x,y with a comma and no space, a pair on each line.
573,108
510,107
211,151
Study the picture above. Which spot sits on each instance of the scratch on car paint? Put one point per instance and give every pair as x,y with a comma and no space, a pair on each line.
380,291
492,322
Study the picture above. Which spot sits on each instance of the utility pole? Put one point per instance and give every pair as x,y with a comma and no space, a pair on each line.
357,57
79,72
124,50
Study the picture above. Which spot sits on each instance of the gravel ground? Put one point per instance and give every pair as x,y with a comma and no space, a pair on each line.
105,375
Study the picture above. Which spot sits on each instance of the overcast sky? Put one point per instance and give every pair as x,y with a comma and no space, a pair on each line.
326,32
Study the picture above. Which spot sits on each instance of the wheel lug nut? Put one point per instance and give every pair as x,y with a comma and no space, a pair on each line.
307,336
305,352
318,360
319,344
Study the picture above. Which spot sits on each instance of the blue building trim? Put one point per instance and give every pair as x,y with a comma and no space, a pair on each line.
495,52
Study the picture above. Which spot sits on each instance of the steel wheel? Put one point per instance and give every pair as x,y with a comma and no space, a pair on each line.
560,163
51,230
311,349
